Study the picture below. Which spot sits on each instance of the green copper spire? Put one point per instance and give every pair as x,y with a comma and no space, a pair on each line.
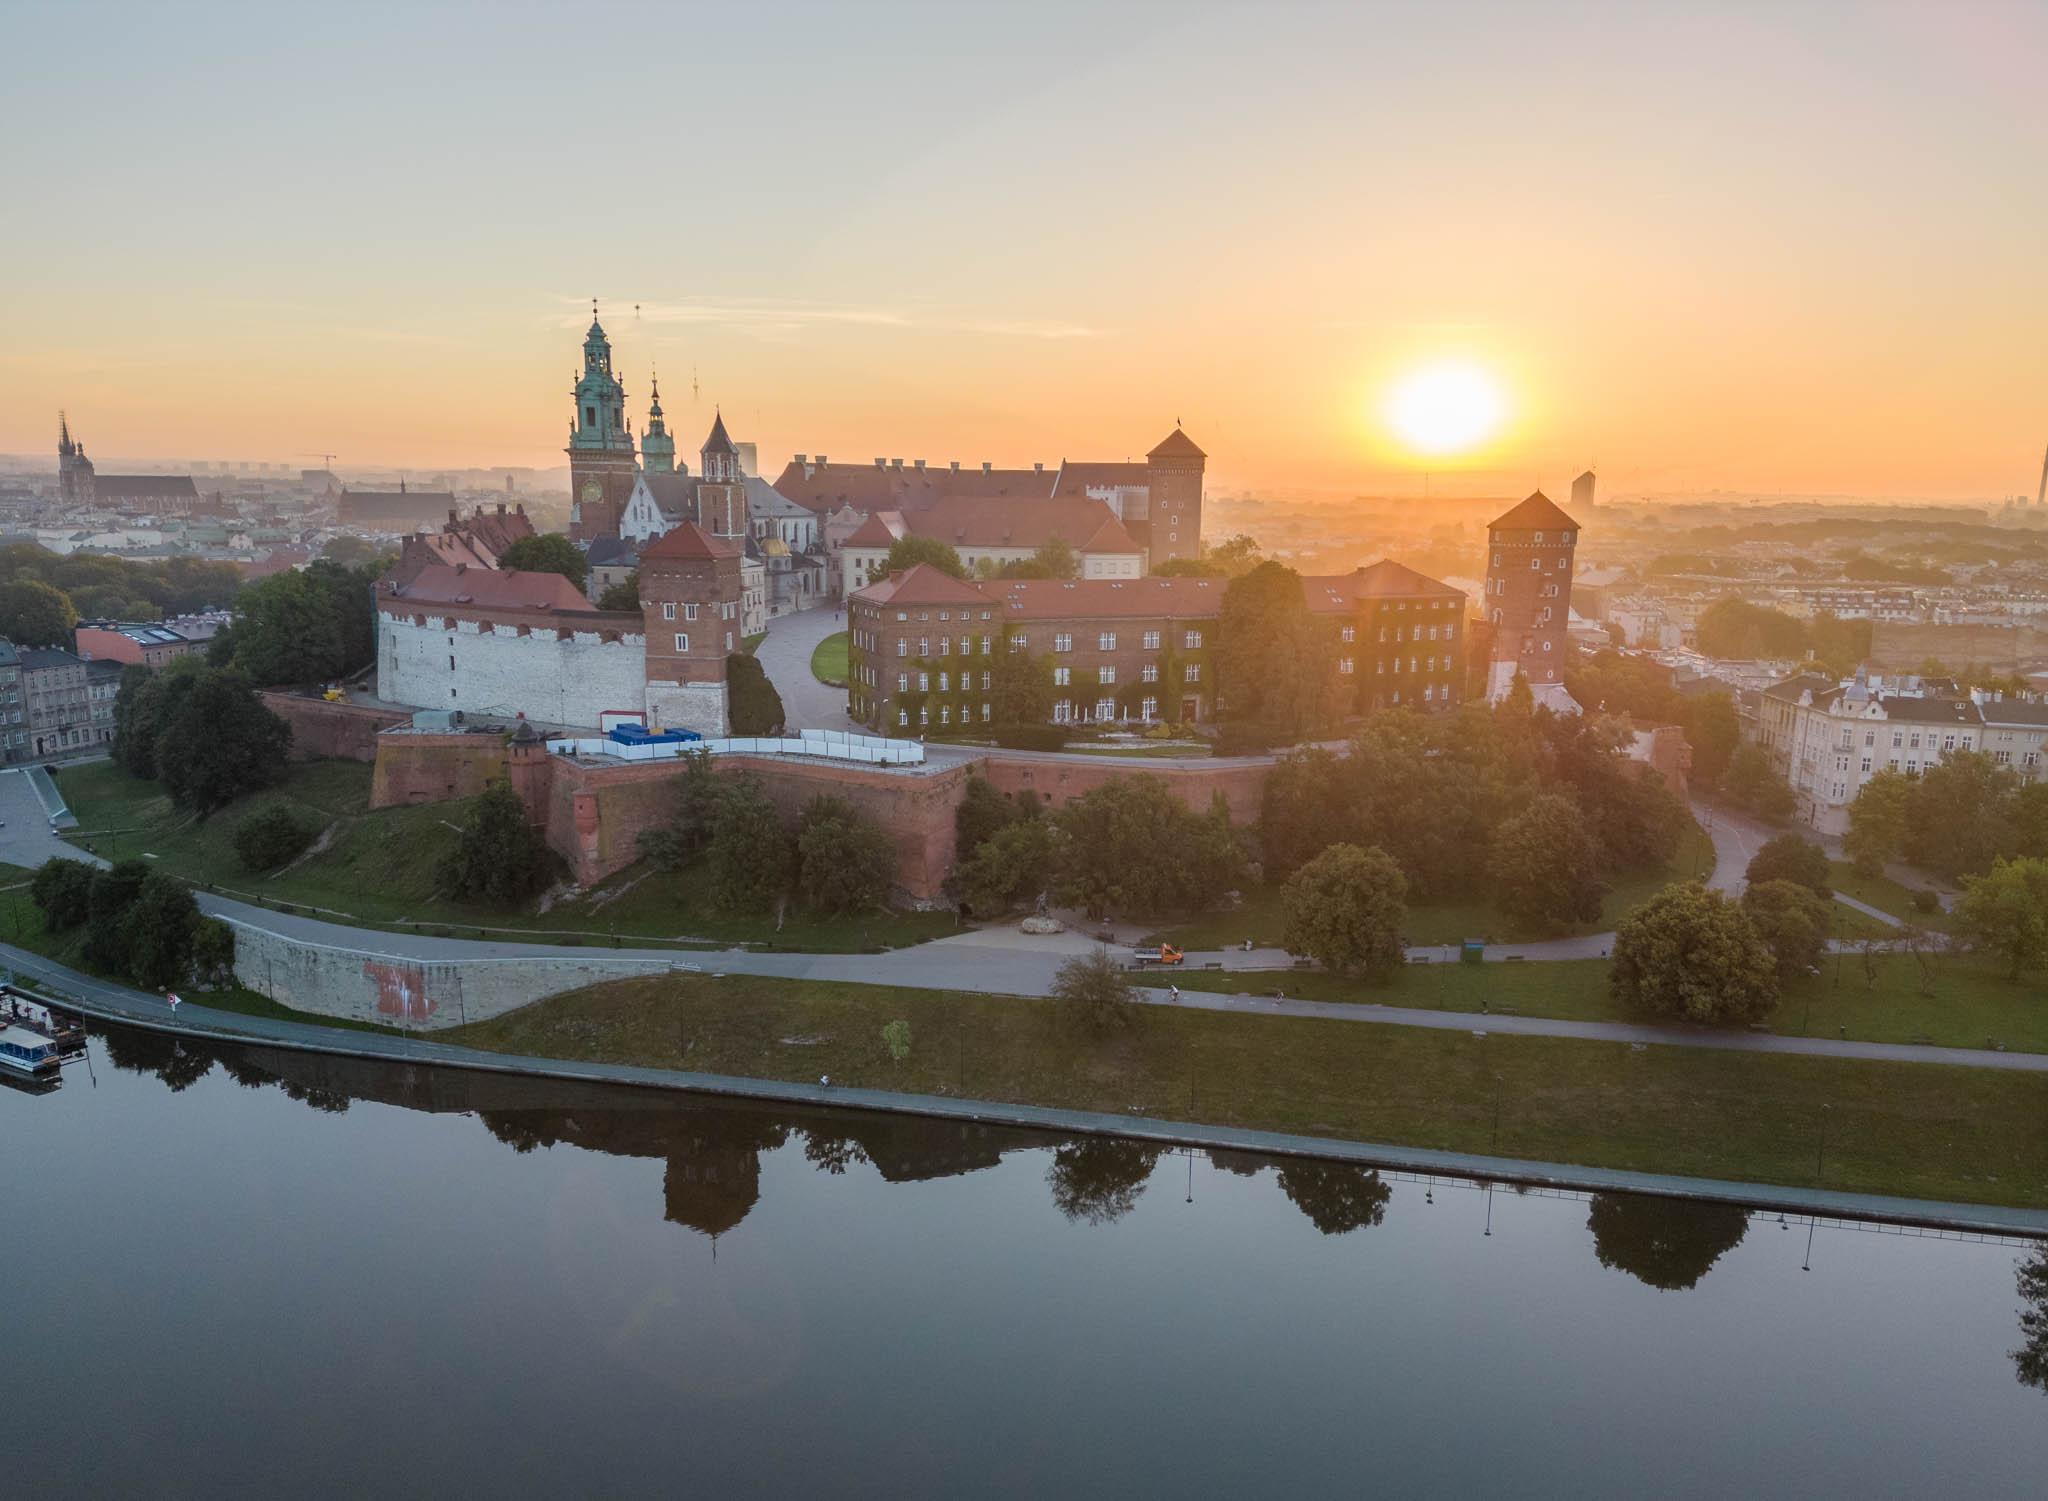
657,448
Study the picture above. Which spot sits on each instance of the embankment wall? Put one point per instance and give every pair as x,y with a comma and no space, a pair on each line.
346,732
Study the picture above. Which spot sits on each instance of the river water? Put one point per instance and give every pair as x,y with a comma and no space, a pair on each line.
248,1271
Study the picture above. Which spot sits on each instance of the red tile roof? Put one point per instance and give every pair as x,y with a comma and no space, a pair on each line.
689,541
872,532
1176,445
1059,599
1075,477
966,522
1538,513
922,584
1110,537
440,584
1385,579
870,487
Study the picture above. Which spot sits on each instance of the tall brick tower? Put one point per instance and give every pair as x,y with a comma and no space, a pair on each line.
722,492
601,464
690,596
1174,480
1528,597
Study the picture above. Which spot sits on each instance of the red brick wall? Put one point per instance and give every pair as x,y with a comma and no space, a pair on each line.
1057,781
324,731
434,768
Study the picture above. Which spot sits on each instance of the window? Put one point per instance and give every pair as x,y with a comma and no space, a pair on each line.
1539,538
1062,712
1105,708
924,646
945,646
1017,642
1866,763
1192,641
728,640
902,614
945,683
682,642
985,714
924,715
668,611
1151,641
902,646
1148,709
1536,565
1948,742
902,682
1105,674
1149,673
903,716
1106,641
945,615
924,682
1348,634
984,645
1429,693
1061,641
984,682
1062,676
945,714
1193,673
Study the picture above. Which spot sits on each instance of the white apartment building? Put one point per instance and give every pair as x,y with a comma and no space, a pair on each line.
1828,739
2016,735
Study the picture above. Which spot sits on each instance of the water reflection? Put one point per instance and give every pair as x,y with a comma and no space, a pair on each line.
1666,1243
2030,1360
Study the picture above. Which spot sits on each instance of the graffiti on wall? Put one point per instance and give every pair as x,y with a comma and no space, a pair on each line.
401,990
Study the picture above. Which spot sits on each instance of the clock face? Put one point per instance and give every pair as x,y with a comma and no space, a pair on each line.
593,492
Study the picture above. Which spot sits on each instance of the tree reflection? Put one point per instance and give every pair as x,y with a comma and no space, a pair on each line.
1666,1243
832,1153
1097,1181
2030,1360
178,1062
1337,1197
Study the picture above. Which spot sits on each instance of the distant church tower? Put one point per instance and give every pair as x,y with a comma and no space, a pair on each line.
601,465
657,448
1528,597
74,469
722,492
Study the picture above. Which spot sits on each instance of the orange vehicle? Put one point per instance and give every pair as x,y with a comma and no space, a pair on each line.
1166,953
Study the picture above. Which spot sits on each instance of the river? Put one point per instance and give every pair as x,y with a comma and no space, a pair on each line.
249,1271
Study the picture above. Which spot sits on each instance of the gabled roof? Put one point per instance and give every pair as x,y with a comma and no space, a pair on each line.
764,501
1077,477
2014,711
117,486
1110,537
611,552
440,584
969,522
871,533
674,494
689,540
1385,579
1176,445
922,584
1538,513
1087,599
888,487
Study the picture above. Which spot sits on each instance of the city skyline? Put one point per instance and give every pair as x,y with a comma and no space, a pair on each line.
1676,242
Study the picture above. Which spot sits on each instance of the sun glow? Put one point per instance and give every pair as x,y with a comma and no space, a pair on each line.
1446,409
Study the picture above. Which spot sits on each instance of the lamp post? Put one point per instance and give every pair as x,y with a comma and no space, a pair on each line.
1489,1209
1807,1264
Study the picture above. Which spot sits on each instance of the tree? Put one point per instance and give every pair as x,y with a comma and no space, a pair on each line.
1303,809
1337,1197
1959,815
1273,663
624,595
213,951
1097,1181
162,924
982,812
62,892
1346,909
1754,784
348,552
909,551
546,552
1877,823
749,856
32,613
1187,568
1733,627
846,862
752,704
271,838
218,742
1012,865
1058,558
1131,846
1021,687
1668,1244
1545,864
1235,555
307,626
1094,991
1791,920
135,720
1789,857
1713,731
1691,954
112,894
2030,1360
2006,912
501,859
697,794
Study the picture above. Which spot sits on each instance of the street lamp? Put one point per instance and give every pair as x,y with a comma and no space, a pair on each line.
1807,1264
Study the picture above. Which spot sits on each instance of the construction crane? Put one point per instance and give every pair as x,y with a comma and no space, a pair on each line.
326,459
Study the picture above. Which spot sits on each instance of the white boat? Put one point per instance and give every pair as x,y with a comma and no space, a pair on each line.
29,1054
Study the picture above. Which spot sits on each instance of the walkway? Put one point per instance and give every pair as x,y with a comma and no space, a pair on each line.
785,656
120,1004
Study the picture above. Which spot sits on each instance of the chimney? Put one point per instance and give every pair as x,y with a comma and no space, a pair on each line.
895,463
801,464
956,466
821,461
451,518
985,466
881,463
1038,468
920,465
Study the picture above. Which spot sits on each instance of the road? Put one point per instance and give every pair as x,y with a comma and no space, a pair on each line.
785,656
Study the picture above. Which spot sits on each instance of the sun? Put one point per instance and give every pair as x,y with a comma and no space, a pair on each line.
1446,409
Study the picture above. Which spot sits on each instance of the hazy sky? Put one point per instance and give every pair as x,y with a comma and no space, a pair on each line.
1777,246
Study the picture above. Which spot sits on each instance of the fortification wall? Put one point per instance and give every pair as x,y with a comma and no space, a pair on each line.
434,768
369,984
557,673
1901,646
1194,783
322,731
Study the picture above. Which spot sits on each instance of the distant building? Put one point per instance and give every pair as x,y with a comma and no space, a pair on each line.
400,510
14,731
990,533
149,643
2016,735
1827,739
67,706
1528,593
80,486
1582,492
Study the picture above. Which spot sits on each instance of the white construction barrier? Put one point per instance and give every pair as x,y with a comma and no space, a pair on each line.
830,745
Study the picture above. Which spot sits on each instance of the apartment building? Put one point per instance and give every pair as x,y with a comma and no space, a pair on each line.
1827,739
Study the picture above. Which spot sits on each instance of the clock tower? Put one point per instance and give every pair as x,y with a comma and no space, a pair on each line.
601,464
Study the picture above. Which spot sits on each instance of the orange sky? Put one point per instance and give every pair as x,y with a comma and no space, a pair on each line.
1788,249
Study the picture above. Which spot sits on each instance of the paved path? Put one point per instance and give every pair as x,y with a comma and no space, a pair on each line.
121,1004
785,656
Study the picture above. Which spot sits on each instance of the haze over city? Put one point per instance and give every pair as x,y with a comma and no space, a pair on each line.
1751,249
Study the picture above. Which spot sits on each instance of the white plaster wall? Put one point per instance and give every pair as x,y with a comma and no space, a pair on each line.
557,677
687,706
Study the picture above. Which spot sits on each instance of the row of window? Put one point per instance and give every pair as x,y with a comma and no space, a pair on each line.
924,646
1190,672
669,607
682,644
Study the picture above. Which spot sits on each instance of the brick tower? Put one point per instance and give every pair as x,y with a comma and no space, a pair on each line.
601,464
690,595
1174,499
722,492
1528,597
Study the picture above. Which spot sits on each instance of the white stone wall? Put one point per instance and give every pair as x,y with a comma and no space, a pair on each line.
565,677
687,706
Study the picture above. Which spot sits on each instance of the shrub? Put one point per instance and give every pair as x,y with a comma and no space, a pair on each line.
1792,920
1692,954
271,838
846,862
1925,901
1094,990
1033,737
502,858
752,703
1346,908
896,1038
1787,857
1246,739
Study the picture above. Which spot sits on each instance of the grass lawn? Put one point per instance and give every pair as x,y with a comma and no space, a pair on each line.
828,661
749,643
377,869
1910,1129
1260,917
1885,894
1956,1002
